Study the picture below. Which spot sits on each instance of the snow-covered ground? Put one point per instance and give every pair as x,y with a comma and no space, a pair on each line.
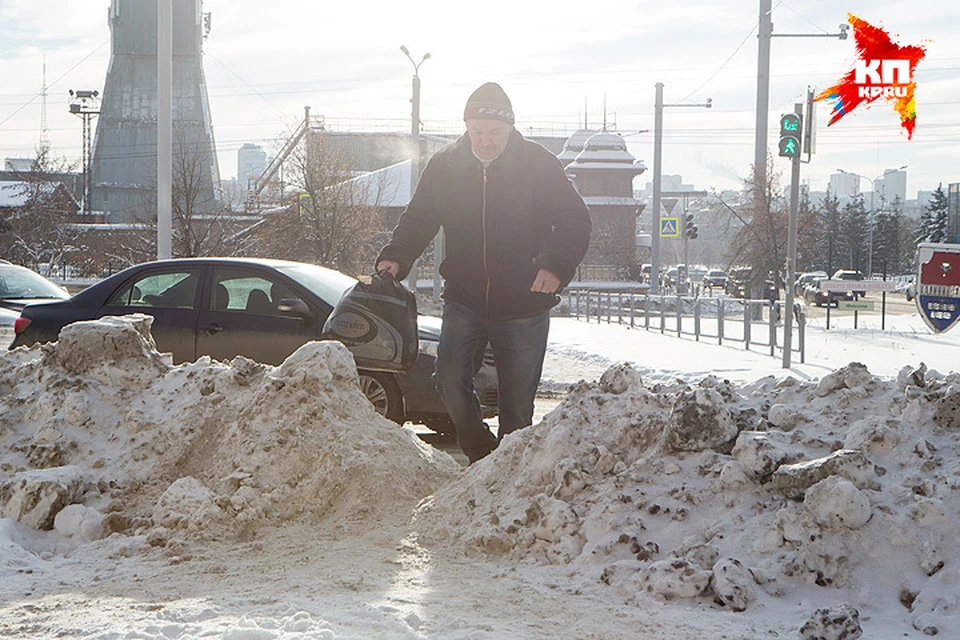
678,490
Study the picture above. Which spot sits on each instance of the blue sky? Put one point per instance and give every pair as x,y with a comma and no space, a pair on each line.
266,61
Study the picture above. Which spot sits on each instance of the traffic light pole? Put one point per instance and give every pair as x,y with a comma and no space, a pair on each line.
791,250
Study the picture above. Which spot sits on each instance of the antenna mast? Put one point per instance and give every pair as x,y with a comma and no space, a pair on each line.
44,132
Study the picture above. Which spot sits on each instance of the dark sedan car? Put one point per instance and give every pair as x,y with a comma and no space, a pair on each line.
262,309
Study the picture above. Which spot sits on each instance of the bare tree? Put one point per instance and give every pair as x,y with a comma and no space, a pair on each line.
331,218
201,224
761,243
199,228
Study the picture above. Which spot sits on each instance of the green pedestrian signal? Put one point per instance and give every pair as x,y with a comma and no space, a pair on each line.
790,127
788,147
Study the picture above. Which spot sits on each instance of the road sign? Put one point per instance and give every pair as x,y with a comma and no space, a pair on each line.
938,285
860,305
669,227
858,285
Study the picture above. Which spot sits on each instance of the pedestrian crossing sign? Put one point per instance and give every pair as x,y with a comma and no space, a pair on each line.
669,227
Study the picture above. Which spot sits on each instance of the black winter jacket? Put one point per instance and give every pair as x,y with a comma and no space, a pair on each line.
501,225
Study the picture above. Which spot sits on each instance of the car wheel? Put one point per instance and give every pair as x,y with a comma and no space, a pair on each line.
383,392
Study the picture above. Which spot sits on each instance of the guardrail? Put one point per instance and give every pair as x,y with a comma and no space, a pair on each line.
754,323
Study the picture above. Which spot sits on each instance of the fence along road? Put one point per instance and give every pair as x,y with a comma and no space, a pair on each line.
754,323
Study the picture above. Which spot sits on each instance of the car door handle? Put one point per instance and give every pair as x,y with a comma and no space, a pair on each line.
213,327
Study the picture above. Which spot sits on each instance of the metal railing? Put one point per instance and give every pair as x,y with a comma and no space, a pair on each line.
754,323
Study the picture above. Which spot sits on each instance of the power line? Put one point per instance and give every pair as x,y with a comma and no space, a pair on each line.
65,74
722,66
244,82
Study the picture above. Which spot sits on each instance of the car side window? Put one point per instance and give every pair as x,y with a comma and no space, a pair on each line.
245,291
167,290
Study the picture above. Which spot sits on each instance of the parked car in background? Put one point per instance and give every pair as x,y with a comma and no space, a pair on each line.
672,277
854,276
815,295
645,270
695,275
738,282
19,287
716,279
806,278
262,309
909,289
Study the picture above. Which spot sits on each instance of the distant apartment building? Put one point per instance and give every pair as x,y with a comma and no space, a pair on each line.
891,186
844,186
251,162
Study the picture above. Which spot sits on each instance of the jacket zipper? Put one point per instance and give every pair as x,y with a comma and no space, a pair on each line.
483,222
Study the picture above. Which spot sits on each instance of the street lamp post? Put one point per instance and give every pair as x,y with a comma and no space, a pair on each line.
657,181
873,211
85,106
415,156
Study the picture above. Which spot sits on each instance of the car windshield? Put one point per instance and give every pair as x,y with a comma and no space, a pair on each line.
328,284
17,283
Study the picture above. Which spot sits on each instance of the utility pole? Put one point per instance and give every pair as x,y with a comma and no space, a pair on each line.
658,106
764,35
164,129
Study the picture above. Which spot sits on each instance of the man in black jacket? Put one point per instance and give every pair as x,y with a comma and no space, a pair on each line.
515,231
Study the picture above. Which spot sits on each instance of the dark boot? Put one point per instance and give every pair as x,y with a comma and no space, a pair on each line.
476,453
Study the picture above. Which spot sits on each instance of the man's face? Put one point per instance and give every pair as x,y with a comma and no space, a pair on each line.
488,137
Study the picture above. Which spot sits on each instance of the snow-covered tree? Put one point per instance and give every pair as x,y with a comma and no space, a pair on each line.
933,220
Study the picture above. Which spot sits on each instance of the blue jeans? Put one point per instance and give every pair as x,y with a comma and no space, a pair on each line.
518,347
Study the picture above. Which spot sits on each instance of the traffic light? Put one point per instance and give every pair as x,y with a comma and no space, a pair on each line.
691,230
790,132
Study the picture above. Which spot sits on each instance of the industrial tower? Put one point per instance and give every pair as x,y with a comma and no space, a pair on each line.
124,161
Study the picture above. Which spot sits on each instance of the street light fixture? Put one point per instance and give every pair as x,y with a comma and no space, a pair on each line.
415,163
873,212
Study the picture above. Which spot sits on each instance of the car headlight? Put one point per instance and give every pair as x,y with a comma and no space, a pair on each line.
429,348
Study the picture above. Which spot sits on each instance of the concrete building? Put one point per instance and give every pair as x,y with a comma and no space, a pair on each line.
124,153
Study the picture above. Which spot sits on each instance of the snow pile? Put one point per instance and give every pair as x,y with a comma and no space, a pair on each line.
780,491
100,434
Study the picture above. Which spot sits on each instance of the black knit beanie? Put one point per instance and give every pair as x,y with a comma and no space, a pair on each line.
489,102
